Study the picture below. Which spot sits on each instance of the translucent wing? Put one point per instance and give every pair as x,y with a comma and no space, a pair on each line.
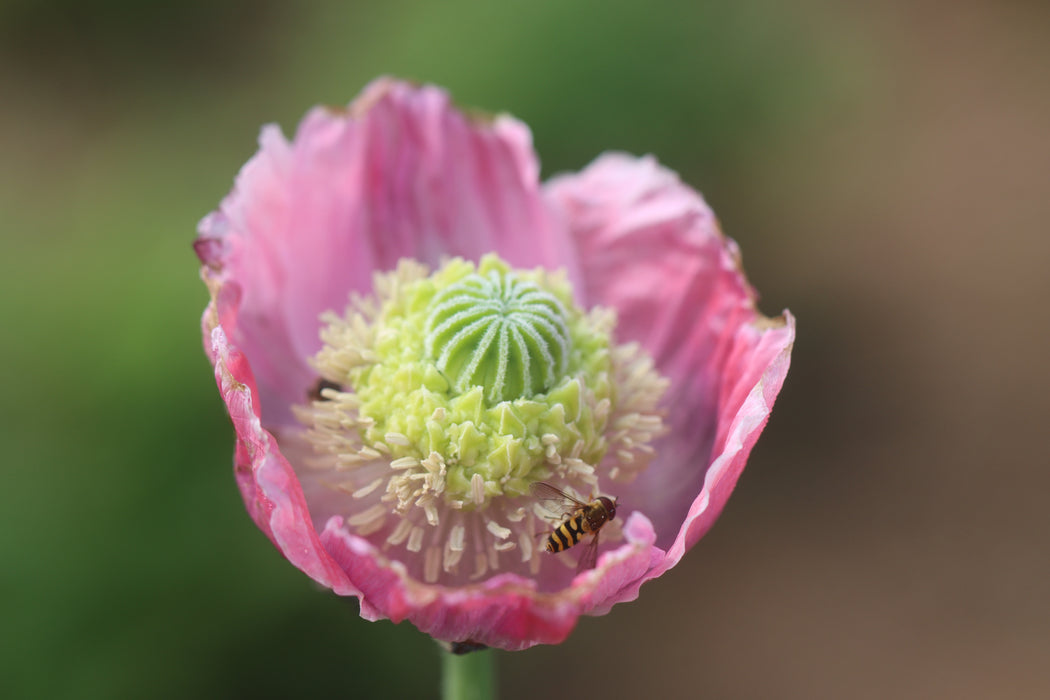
590,555
554,499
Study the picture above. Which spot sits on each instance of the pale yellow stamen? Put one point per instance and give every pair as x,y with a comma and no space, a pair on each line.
481,565
364,491
368,517
450,561
397,439
455,538
525,542
400,533
415,539
431,511
497,529
431,564
477,489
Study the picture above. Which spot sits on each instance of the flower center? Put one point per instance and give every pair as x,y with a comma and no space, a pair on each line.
499,332
457,390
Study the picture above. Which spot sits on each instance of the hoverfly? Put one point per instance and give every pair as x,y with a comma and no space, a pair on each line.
582,519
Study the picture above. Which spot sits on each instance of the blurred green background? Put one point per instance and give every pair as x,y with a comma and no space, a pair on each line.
883,167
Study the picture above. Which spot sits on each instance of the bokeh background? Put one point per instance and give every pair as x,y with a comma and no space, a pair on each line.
885,168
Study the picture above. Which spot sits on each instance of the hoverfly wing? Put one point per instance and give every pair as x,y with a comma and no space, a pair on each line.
589,558
554,499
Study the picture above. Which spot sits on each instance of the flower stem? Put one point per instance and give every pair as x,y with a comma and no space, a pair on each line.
468,676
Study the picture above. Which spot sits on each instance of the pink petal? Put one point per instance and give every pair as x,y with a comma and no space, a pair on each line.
245,258
653,251
620,573
752,377
270,489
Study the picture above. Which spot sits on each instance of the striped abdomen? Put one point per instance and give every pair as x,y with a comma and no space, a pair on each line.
568,533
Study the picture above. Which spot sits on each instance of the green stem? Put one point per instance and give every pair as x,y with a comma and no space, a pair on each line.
468,676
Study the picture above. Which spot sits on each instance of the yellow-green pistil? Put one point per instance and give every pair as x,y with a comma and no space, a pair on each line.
459,389
500,332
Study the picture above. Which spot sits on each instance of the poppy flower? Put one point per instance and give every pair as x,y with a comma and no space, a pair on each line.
423,349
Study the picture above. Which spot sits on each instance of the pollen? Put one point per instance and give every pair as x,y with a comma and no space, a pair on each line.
445,395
